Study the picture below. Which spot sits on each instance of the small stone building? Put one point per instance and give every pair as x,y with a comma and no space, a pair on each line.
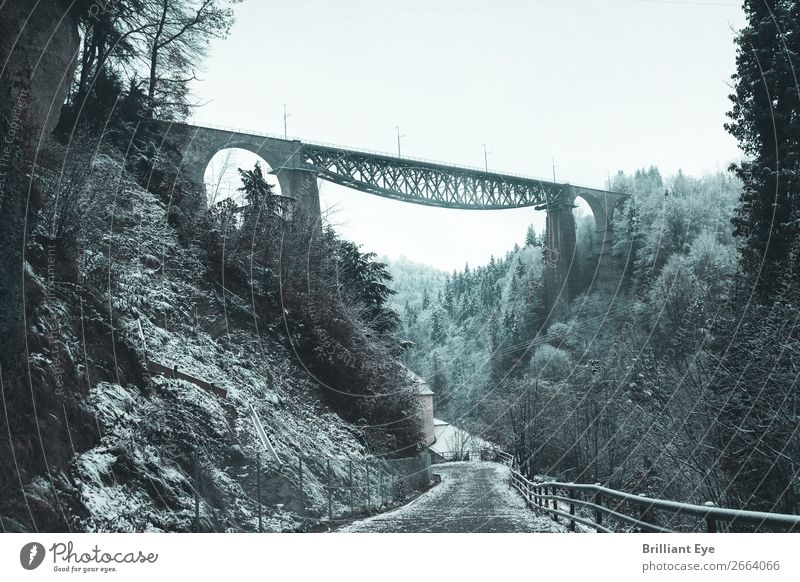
425,395
445,442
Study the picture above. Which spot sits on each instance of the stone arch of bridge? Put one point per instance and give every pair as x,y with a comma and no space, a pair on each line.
199,145
603,204
561,284
260,149
222,166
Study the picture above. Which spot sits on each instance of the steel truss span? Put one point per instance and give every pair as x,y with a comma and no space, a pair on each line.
428,183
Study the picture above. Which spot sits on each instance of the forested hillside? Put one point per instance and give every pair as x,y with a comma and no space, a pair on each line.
625,389
414,284
126,272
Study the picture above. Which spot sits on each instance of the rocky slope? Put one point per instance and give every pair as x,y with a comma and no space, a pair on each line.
136,444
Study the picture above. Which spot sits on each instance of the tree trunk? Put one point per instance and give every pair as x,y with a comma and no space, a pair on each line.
153,77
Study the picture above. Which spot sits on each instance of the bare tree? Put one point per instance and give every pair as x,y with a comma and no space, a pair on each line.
176,34
461,444
219,172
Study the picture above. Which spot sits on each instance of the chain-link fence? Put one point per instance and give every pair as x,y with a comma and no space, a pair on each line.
252,495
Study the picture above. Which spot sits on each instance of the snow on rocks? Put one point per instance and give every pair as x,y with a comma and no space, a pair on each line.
140,476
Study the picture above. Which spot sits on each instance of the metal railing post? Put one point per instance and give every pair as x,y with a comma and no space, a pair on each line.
352,506
369,496
196,492
642,512
711,522
258,489
302,488
570,494
330,505
598,513
555,503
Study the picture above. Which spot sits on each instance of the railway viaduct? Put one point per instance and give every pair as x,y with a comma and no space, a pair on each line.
299,164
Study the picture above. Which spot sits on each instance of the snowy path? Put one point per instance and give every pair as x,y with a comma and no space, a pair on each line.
472,497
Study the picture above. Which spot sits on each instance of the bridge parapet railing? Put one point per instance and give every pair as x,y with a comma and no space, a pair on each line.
606,510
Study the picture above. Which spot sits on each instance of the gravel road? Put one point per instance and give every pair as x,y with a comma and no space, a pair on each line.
472,497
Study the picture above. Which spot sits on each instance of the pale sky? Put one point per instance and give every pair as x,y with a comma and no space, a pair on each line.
597,86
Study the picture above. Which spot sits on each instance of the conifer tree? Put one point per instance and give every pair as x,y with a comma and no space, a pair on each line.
531,238
765,119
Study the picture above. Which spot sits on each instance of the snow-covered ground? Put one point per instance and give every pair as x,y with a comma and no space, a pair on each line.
472,497
140,475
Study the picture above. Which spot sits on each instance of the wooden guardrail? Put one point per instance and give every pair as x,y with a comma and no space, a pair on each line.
638,511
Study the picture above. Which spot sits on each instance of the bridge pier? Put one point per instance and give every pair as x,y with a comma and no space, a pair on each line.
560,256
301,187
560,284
